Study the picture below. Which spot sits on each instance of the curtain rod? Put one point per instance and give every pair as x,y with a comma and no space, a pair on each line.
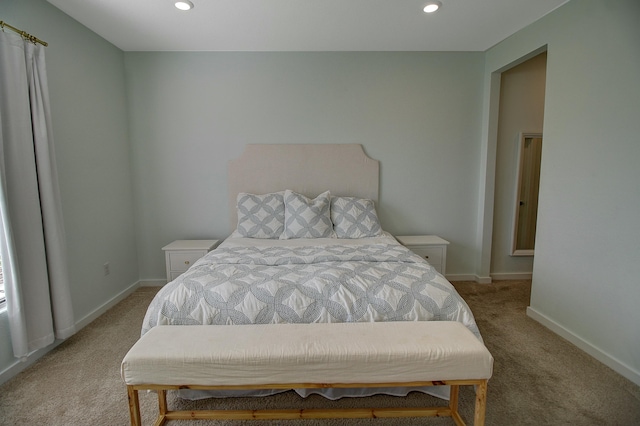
24,34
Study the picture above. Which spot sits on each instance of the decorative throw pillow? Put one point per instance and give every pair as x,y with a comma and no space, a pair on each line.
306,218
354,217
261,216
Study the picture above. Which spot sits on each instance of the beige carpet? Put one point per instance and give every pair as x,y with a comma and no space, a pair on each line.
539,379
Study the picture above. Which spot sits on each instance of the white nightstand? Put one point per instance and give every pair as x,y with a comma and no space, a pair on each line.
431,247
181,254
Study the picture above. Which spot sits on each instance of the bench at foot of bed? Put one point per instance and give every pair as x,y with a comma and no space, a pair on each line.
287,356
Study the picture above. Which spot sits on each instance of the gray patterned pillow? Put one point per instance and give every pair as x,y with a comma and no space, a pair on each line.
306,218
261,216
354,218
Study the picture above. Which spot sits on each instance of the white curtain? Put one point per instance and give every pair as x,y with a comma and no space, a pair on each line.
33,247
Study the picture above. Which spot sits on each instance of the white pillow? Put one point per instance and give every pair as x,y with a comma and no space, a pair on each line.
260,216
354,217
306,218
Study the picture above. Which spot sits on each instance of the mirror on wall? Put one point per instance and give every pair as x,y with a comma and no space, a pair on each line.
526,201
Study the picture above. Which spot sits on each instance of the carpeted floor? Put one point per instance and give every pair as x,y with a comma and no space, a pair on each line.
539,378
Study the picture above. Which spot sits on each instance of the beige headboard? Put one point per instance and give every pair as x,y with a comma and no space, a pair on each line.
343,169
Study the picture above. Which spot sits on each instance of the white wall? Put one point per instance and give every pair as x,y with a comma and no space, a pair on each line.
418,113
521,110
585,276
429,117
90,123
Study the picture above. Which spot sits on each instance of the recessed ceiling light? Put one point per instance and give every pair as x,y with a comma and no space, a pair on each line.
432,6
184,5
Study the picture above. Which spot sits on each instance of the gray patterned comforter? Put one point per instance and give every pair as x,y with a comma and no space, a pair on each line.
238,284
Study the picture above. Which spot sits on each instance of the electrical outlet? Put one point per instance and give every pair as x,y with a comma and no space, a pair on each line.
106,269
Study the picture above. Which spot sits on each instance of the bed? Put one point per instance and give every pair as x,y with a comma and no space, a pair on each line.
306,247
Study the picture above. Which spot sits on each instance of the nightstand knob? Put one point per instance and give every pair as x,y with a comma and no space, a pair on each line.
186,262
426,257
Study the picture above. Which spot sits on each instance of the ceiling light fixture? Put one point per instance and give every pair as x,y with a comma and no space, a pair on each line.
184,5
432,6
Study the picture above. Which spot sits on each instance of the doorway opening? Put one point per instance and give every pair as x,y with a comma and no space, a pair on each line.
520,121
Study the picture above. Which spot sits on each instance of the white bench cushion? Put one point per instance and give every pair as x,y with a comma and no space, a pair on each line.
391,352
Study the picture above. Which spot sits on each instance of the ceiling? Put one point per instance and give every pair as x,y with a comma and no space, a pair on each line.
305,25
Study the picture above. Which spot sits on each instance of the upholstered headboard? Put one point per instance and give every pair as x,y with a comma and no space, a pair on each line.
343,169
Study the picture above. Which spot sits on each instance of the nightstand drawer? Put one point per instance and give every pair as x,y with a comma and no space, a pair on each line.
182,260
175,275
430,247
430,254
180,255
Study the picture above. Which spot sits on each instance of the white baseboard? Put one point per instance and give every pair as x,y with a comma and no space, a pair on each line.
605,358
483,280
489,279
460,277
152,283
512,276
80,324
468,277
19,365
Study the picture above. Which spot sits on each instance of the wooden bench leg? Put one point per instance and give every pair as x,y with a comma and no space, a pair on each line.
452,410
162,401
134,406
162,407
481,403
453,405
